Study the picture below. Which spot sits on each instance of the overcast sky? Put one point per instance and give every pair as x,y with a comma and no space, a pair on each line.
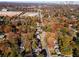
56,1
39,0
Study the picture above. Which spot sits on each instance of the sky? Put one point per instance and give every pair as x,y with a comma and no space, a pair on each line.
39,0
56,1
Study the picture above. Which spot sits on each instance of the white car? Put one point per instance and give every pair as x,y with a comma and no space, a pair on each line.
1,36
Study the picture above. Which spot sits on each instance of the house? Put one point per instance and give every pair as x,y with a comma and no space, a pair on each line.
4,9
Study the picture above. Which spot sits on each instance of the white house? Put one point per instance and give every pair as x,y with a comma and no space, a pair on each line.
4,9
